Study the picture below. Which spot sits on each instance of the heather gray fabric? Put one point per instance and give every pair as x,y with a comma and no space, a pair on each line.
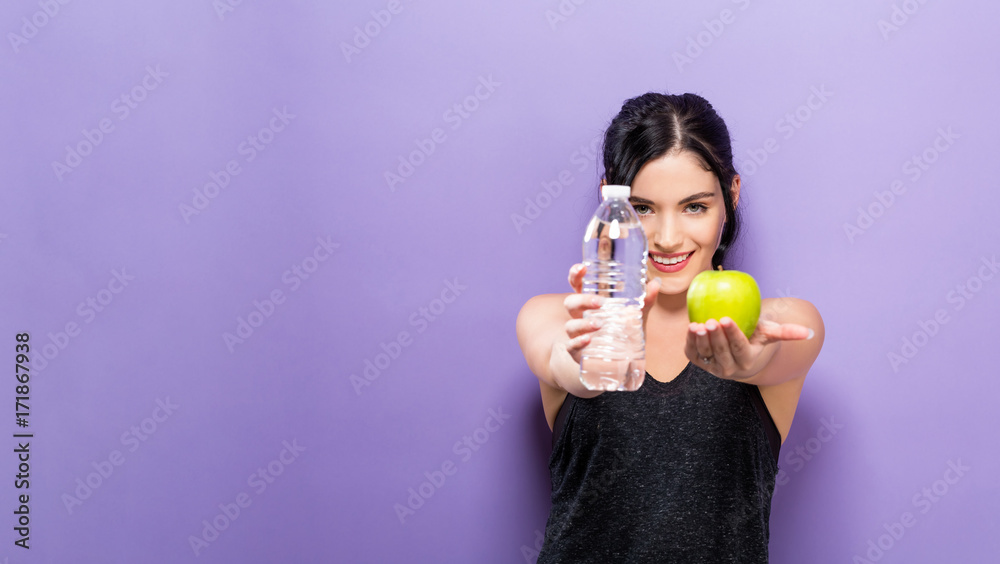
681,471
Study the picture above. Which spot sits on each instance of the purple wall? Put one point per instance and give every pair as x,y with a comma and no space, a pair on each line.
234,306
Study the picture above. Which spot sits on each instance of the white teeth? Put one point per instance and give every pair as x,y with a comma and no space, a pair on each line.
668,262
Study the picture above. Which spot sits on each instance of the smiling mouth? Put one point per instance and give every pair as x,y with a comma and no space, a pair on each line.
670,261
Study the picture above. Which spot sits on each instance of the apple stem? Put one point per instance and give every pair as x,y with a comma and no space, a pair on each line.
719,268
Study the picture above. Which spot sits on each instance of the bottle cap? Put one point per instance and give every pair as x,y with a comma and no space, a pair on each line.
615,191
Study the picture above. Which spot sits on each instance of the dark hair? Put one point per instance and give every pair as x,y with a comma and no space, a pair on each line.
654,124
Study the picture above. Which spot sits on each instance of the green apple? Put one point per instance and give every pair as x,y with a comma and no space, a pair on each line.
715,294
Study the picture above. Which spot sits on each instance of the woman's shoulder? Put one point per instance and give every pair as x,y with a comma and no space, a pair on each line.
538,313
543,304
795,310
791,309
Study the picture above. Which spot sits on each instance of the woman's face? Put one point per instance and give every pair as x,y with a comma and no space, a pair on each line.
681,208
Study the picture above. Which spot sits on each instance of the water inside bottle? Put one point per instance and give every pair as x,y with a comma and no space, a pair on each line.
615,359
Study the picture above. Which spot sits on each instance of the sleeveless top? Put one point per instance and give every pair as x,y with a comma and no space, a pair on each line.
681,471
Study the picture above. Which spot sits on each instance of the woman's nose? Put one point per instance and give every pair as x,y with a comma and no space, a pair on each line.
666,235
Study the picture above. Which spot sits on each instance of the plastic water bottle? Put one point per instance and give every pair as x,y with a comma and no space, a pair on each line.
615,252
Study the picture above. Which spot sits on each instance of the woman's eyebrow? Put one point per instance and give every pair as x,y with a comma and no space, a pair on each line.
691,198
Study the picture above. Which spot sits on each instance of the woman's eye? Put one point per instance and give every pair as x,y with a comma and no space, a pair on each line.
643,209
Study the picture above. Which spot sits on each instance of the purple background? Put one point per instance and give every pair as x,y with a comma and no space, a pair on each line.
555,85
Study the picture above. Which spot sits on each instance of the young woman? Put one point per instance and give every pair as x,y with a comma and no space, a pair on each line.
682,469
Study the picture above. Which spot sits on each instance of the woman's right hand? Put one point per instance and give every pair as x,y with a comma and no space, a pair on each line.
564,362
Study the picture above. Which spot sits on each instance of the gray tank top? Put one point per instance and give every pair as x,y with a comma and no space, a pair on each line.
681,471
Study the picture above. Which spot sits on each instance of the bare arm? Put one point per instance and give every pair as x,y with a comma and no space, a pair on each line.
782,348
552,333
792,358
543,331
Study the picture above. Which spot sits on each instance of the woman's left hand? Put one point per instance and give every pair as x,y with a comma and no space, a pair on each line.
729,353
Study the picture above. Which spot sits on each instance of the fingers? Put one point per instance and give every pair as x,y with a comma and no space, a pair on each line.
722,343
728,349
722,358
699,347
737,341
691,345
577,327
769,332
578,303
575,279
652,290
576,345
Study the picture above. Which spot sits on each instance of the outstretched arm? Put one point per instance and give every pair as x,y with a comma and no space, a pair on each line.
779,350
